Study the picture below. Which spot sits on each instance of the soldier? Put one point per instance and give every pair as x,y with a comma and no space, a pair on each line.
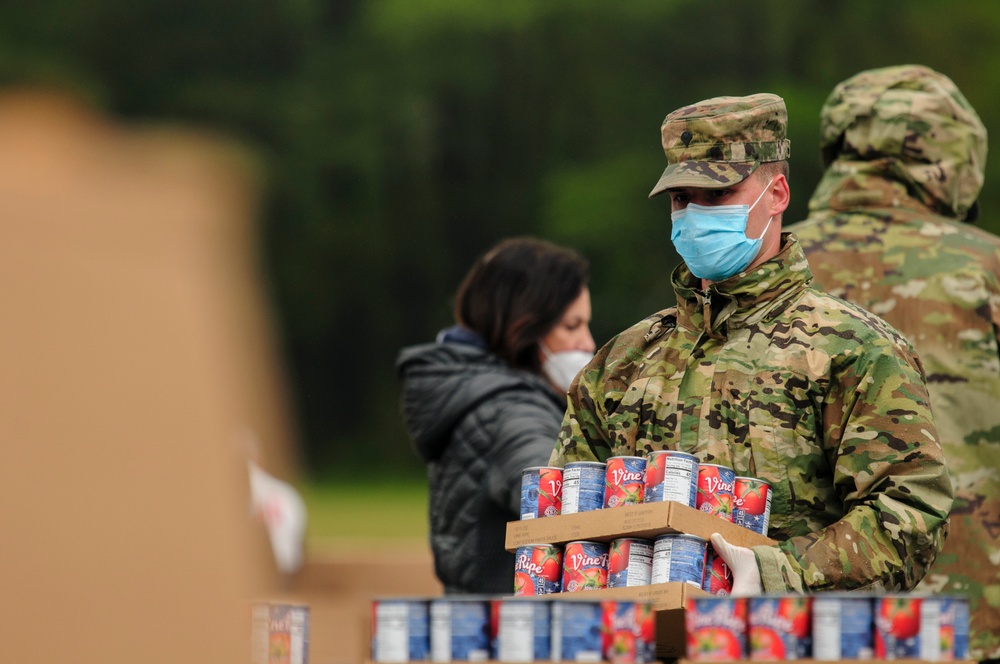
905,154
757,370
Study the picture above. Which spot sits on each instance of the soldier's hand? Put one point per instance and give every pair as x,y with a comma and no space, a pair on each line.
743,564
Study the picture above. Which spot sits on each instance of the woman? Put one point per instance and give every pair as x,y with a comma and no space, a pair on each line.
487,398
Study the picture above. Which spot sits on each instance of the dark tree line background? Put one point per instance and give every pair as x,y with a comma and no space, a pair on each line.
400,138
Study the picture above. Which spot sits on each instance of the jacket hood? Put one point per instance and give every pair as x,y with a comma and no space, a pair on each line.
442,381
916,125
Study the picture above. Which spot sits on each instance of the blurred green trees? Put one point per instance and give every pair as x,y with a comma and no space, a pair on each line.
400,138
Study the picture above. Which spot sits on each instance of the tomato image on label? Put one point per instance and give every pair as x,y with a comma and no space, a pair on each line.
715,643
766,644
903,616
523,584
654,469
549,562
618,557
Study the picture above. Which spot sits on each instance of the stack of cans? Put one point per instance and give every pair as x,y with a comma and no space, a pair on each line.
663,475
474,628
827,627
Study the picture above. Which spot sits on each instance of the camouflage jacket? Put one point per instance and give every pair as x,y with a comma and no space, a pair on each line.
937,280
767,375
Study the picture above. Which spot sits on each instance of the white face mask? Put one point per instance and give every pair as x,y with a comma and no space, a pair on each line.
562,367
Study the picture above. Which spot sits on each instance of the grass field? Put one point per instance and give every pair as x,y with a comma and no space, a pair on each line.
358,508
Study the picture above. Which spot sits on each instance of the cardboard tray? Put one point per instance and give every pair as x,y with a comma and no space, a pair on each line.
646,521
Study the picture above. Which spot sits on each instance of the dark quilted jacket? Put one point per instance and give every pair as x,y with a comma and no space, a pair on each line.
477,424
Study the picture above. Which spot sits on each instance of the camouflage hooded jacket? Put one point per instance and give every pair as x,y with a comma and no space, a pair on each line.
764,374
938,281
906,155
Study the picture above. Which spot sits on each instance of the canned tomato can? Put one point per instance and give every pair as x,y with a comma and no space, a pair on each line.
715,490
541,491
630,562
460,629
400,630
576,631
842,627
779,628
671,475
538,569
585,566
752,503
583,486
624,481
718,576
521,629
716,628
629,632
679,557
280,633
897,627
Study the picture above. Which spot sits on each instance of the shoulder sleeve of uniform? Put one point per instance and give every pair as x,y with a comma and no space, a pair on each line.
889,470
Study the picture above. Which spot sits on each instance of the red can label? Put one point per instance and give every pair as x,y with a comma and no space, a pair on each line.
897,627
628,632
541,492
752,503
537,569
715,490
585,566
718,576
716,628
624,481
780,628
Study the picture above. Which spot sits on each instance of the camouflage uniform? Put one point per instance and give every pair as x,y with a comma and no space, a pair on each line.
765,374
905,154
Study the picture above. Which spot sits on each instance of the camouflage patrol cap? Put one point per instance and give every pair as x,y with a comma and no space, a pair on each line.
719,142
917,116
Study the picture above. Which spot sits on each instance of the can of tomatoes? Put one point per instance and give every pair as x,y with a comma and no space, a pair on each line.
537,569
779,628
541,491
280,633
716,628
521,629
585,566
679,557
576,631
583,486
400,630
897,627
630,562
629,632
460,629
624,481
715,490
671,475
752,503
842,627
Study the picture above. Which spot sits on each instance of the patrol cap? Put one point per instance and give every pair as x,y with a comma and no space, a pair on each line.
917,116
719,142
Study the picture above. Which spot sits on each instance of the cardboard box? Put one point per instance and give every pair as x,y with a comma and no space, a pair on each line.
645,521
668,599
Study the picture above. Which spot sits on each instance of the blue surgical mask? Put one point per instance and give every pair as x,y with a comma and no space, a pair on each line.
712,239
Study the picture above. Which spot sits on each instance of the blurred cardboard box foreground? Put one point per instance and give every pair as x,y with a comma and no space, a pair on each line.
135,348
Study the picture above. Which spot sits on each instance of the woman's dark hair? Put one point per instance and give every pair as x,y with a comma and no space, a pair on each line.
518,291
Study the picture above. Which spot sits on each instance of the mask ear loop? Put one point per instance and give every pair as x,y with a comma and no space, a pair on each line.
762,191
768,225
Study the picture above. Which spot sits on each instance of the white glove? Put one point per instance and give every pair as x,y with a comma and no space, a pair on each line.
743,564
